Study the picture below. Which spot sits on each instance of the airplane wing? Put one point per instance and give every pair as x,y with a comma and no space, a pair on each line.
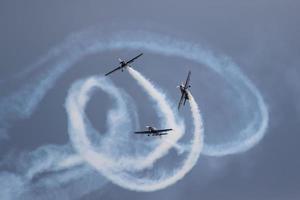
180,101
163,130
163,134
187,82
156,131
113,71
143,132
130,61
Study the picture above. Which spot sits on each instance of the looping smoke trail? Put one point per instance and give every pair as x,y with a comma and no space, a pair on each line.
25,100
124,170
91,41
250,99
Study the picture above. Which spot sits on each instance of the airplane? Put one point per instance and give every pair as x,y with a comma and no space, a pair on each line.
124,64
184,90
154,132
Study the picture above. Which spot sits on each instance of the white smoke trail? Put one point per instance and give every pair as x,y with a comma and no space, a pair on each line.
251,100
197,141
22,103
123,171
92,41
41,170
61,162
168,118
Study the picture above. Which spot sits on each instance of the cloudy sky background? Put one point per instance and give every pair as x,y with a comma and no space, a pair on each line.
262,37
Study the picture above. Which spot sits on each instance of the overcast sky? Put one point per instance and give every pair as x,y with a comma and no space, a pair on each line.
260,36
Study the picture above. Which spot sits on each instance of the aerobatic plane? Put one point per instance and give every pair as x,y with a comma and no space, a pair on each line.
184,90
124,64
154,132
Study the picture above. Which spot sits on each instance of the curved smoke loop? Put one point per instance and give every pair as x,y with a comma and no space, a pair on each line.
24,102
116,166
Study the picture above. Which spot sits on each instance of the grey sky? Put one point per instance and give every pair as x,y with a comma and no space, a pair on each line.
262,37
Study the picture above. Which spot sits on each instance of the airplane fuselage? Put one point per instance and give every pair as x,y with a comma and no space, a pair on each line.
153,131
150,128
183,90
123,65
